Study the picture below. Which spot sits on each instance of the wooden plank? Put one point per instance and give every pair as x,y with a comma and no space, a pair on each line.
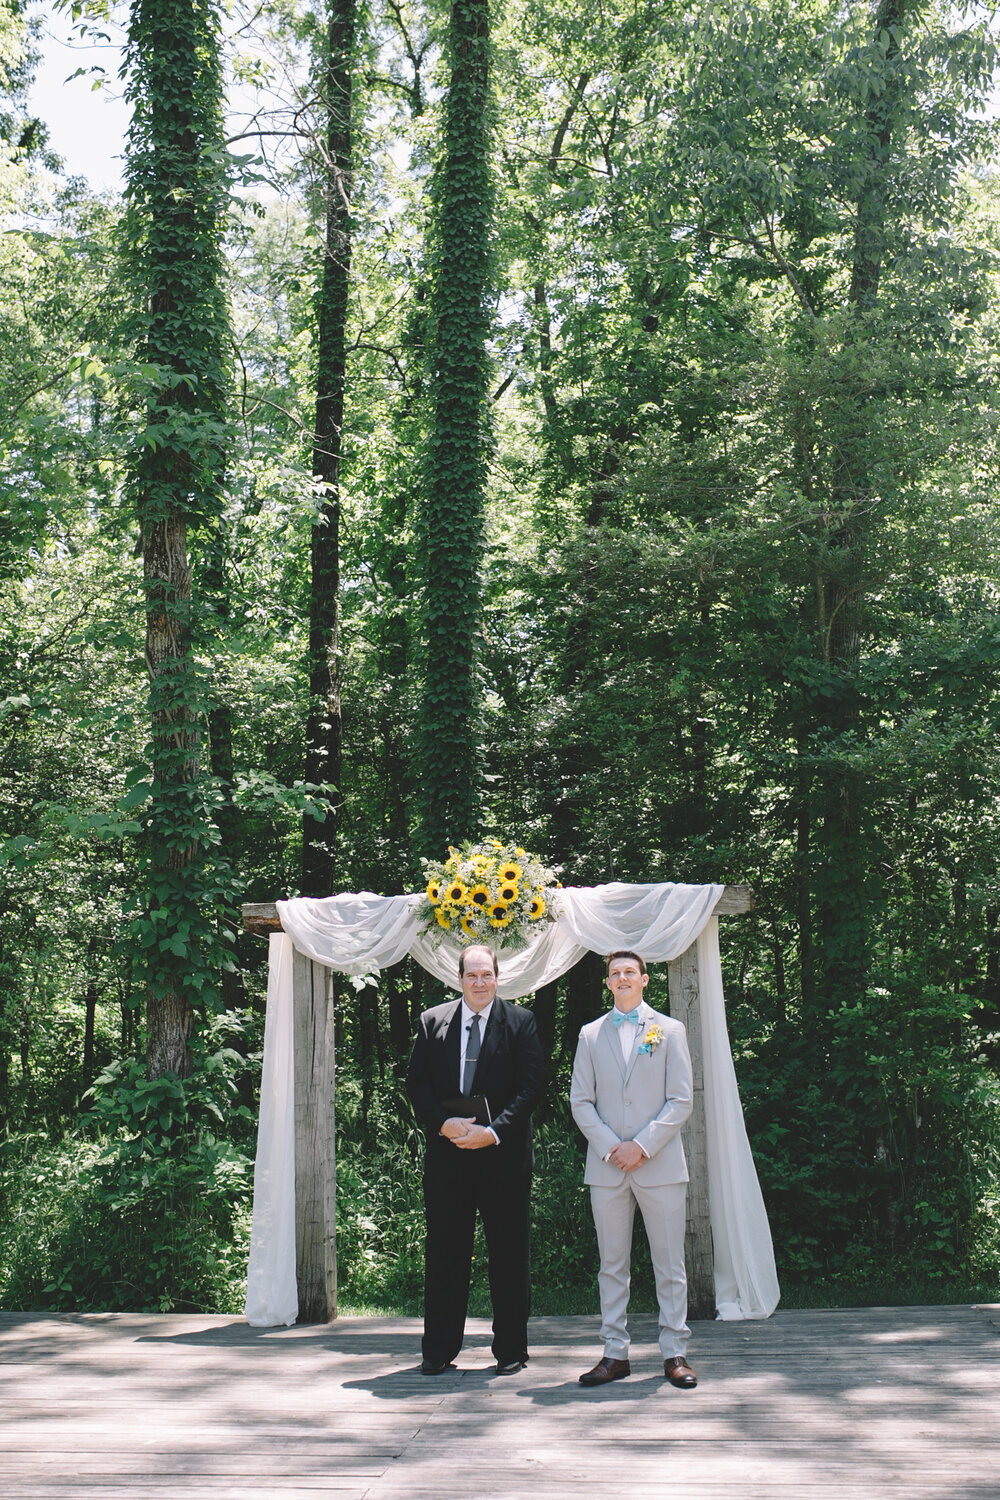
735,901
315,1146
222,1489
829,1404
147,1468
155,1487
262,917
535,1488
685,1006
662,1481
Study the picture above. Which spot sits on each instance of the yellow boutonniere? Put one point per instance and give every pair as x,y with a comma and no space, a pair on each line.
652,1039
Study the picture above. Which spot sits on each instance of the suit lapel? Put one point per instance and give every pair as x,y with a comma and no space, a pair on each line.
640,1033
491,1038
453,1045
611,1043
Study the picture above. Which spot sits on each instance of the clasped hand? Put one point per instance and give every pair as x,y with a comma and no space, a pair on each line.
627,1155
466,1134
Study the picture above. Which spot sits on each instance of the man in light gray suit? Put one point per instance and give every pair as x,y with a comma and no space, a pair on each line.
630,1095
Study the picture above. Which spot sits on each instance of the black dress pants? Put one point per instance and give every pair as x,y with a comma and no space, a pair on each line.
457,1185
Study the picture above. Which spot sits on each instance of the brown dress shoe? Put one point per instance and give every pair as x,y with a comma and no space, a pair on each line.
605,1370
680,1373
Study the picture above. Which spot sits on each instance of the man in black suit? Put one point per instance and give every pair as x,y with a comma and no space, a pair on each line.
470,1166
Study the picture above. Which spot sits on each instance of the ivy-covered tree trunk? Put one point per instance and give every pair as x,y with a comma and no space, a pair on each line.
176,192
846,863
324,733
452,514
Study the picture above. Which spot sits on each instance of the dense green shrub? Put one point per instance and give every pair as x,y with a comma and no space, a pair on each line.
144,1207
880,1167
380,1216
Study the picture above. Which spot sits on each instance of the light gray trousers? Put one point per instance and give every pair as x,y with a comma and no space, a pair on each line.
662,1211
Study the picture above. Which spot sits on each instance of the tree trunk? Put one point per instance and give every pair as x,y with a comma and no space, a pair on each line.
869,233
846,860
399,1020
584,998
177,196
803,881
452,516
176,747
87,1069
324,731
544,1011
6,1036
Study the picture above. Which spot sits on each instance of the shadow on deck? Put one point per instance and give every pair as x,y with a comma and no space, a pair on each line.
837,1403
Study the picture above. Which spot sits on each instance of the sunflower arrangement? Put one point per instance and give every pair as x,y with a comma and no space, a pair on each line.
490,893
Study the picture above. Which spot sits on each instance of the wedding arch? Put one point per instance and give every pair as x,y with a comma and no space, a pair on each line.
293,1246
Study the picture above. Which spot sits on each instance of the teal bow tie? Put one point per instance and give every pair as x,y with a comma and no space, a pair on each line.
619,1017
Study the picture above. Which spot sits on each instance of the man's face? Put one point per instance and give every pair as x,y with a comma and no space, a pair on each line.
479,983
626,981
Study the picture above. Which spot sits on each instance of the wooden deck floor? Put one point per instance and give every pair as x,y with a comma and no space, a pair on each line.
832,1405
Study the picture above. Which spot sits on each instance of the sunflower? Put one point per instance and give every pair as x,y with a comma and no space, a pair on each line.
491,888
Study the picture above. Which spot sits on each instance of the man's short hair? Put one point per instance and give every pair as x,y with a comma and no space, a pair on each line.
483,949
623,953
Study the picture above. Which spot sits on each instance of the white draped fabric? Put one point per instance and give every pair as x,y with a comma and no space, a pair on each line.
272,1293
361,934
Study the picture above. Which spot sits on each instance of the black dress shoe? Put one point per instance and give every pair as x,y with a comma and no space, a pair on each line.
680,1373
606,1369
435,1366
512,1367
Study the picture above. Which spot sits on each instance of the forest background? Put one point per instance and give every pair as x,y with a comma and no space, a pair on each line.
581,429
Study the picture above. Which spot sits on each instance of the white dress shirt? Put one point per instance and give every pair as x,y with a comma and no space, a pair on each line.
628,1035
468,1016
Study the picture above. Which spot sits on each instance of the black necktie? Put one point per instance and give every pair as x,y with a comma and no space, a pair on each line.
471,1056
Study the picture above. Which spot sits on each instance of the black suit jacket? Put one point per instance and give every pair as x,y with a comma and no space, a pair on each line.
510,1073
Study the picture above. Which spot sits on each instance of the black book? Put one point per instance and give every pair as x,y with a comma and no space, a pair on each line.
465,1106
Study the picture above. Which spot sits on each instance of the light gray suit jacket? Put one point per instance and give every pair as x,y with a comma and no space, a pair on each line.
646,1102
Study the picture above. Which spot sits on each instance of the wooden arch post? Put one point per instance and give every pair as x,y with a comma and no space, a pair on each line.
685,1005
315,1115
315,1126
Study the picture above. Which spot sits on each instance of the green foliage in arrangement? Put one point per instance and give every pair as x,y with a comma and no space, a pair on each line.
451,524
